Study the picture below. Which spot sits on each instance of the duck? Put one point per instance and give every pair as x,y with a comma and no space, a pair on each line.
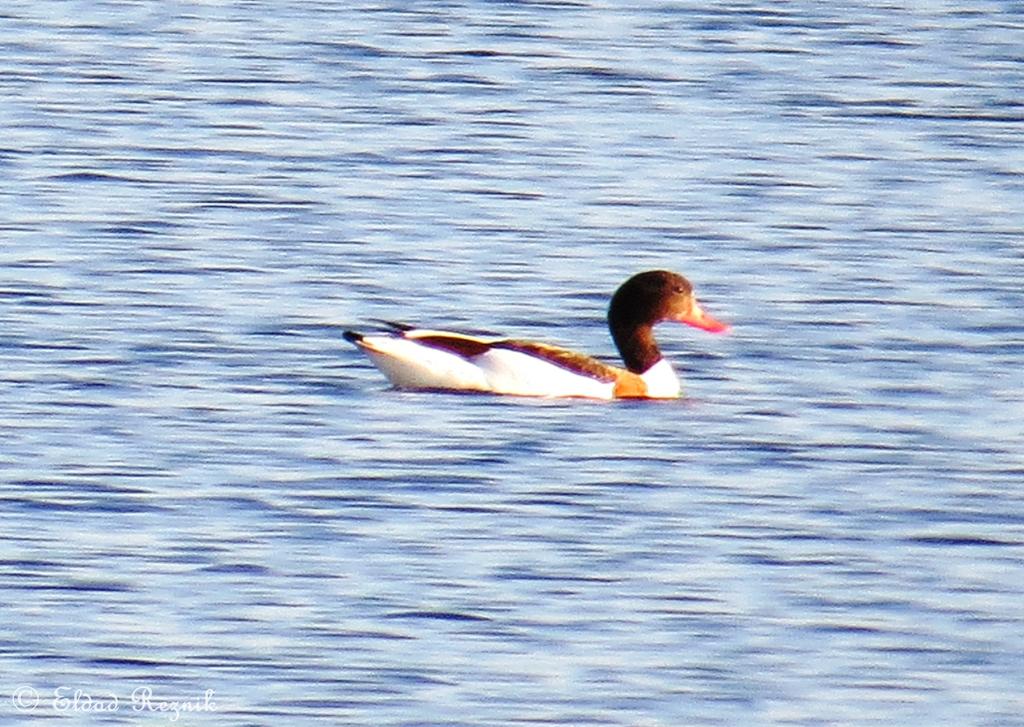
424,359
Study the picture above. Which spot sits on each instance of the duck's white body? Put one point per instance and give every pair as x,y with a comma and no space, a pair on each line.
409,363
415,358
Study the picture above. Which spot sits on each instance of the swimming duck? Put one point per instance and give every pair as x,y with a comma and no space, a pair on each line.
425,359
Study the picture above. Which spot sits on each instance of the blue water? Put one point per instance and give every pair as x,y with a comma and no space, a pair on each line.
205,488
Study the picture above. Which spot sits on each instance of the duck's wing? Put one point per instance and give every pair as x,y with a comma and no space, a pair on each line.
460,344
473,346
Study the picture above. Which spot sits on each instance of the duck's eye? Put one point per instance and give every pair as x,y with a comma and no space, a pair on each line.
679,289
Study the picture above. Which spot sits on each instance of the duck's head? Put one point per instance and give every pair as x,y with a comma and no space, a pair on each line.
659,295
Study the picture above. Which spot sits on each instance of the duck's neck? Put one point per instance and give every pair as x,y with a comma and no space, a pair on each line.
636,344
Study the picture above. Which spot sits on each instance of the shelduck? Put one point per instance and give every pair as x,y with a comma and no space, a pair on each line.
424,359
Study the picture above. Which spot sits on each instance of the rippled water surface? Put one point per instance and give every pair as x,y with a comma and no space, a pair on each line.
205,489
